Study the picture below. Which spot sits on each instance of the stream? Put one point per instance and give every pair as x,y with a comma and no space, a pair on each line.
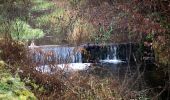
119,59
70,58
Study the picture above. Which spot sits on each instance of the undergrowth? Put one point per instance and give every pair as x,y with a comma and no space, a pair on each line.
11,86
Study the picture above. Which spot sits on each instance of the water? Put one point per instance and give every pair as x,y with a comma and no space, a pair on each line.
78,58
70,67
112,56
58,54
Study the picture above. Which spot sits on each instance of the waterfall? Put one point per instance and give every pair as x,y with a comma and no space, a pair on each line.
58,54
65,54
65,58
74,58
111,55
115,52
78,58
111,52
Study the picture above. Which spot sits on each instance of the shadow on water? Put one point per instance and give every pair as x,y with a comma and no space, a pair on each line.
158,80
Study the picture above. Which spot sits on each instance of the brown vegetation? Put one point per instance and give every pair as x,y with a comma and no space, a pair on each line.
132,20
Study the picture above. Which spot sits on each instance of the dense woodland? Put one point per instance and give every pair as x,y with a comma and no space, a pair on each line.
77,22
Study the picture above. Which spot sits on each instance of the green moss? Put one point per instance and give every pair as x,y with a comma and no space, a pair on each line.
13,89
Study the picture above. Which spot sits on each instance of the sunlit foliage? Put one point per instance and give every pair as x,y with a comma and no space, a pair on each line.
20,30
13,89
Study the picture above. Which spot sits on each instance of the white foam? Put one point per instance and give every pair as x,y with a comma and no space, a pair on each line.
113,61
66,67
43,68
74,66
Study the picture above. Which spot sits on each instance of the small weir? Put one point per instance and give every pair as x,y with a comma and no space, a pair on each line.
80,57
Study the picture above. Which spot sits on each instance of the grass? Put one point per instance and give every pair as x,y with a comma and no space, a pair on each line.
39,5
60,24
82,32
50,18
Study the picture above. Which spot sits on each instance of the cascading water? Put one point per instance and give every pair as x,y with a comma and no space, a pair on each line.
111,55
64,58
115,53
74,57
61,55
67,55
58,54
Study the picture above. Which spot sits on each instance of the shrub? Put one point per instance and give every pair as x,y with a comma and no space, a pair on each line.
13,52
20,30
81,32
